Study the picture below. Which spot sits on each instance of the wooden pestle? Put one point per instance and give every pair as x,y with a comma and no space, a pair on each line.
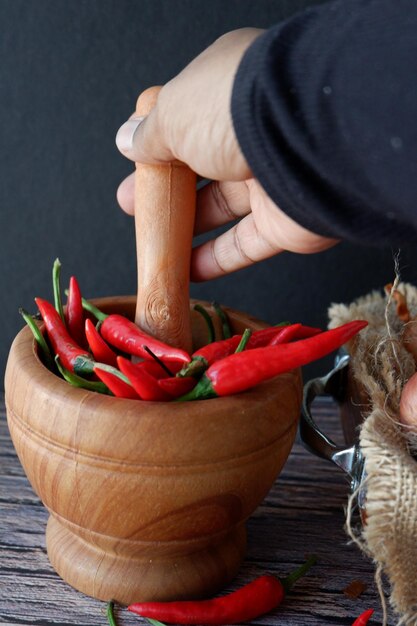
164,219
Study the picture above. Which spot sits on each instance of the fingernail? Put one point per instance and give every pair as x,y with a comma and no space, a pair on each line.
126,132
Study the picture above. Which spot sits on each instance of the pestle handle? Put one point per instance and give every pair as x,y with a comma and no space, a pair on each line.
165,197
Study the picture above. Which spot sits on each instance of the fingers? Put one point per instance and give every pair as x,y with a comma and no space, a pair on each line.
141,139
239,247
126,194
219,203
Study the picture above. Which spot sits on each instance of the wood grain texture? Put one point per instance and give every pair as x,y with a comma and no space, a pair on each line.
302,514
148,500
165,197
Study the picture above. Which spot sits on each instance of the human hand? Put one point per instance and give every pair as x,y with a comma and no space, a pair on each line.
192,122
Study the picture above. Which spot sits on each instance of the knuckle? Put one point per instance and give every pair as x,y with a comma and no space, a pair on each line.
221,202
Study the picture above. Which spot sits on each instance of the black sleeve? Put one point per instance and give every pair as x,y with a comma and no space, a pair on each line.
324,106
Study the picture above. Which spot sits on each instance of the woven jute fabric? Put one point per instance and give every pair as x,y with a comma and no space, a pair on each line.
382,365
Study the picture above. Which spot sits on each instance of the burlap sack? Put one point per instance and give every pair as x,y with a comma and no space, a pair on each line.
382,365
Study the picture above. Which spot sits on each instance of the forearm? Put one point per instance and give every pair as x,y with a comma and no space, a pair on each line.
324,108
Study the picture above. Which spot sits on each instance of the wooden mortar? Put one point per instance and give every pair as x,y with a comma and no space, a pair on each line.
147,500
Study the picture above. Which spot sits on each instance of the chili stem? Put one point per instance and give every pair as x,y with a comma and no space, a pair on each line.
113,370
40,339
110,613
91,308
208,320
158,360
289,581
56,275
227,331
154,622
245,338
79,381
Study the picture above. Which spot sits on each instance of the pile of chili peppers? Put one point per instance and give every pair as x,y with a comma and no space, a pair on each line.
260,596
94,350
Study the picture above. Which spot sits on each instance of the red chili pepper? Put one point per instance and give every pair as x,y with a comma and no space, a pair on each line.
364,618
177,386
263,337
249,602
72,356
123,334
114,381
207,355
74,315
293,332
308,331
244,370
144,384
101,351
286,334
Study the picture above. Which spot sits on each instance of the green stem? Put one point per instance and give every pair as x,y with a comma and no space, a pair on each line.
196,367
202,391
110,613
79,381
245,338
289,581
88,306
208,320
227,331
154,622
113,370
56,274
40,339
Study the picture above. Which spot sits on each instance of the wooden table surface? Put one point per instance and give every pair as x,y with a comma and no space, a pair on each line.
303,514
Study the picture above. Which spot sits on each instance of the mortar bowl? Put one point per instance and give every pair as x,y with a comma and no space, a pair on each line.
147,500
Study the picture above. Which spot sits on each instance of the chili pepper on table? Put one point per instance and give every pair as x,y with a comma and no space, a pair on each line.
74,314
364,618
126,336
145,385
101,351
72,356
110,613
244,370
254,599
117,382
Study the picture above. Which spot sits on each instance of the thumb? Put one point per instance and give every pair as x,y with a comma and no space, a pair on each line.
141,139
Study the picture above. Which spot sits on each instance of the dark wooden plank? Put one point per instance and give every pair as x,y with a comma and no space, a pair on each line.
302,514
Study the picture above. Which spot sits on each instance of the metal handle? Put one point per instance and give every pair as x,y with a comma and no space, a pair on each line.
349,459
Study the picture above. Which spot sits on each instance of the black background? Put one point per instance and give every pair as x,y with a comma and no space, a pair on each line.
70,73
